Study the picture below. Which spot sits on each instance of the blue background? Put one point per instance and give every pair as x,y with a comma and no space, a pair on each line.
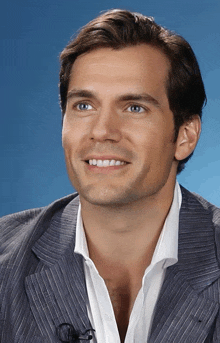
33,33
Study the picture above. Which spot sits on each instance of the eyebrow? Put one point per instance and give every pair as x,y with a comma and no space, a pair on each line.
74,93
139,97
80,94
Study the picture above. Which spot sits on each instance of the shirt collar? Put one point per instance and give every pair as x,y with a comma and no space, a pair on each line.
167,246
81,246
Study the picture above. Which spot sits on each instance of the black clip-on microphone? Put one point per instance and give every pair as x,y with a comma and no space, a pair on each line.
67,334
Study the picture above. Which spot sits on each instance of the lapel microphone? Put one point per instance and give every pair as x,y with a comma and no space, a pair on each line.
67,334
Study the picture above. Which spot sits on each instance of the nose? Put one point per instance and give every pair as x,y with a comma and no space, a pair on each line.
106,126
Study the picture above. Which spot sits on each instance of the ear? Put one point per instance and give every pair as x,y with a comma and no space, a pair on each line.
188,137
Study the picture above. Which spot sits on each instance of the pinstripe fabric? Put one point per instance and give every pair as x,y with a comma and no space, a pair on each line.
45,286
42,279
189,299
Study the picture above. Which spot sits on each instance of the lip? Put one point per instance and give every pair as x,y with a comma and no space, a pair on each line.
105,170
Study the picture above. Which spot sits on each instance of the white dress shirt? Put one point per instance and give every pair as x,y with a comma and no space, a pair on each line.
100,308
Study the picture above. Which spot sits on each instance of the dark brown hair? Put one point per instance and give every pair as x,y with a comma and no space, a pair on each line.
118,29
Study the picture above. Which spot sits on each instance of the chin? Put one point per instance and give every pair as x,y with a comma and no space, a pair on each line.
105,197
109,197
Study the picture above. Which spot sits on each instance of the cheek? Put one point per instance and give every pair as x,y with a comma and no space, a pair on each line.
69,144
71,135
66,141
144,137
155,147
75,128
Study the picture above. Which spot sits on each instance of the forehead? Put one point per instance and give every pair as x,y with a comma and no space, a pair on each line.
136,67
136,57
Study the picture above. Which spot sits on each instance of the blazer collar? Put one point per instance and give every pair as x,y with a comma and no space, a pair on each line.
185,309
197,253
59,235
57,290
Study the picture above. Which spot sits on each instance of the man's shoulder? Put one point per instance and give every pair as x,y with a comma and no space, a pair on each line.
200,204
18,228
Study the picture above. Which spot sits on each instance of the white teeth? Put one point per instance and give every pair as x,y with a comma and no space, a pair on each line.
105,163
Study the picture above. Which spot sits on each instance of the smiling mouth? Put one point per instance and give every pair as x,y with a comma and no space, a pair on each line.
105,163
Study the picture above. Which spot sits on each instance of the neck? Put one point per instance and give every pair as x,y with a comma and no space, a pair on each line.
128,234
121,243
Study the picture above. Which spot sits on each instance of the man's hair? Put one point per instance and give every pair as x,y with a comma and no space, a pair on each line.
118,29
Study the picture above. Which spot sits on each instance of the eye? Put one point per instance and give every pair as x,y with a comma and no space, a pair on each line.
83,106
136,109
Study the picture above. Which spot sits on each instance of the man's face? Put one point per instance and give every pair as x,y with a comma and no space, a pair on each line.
118,129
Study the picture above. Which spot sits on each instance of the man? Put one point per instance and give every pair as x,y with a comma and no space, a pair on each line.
134,257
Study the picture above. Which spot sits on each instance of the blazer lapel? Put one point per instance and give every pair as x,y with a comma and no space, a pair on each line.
186,307
57,291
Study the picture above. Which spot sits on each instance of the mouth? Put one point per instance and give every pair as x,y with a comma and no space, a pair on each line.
105,163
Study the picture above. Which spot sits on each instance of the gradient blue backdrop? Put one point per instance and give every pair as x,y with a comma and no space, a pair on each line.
33,32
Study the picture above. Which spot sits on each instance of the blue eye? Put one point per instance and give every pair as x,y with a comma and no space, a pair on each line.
83,106
136,109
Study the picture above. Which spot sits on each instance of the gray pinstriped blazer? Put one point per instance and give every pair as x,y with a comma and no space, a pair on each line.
42,279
